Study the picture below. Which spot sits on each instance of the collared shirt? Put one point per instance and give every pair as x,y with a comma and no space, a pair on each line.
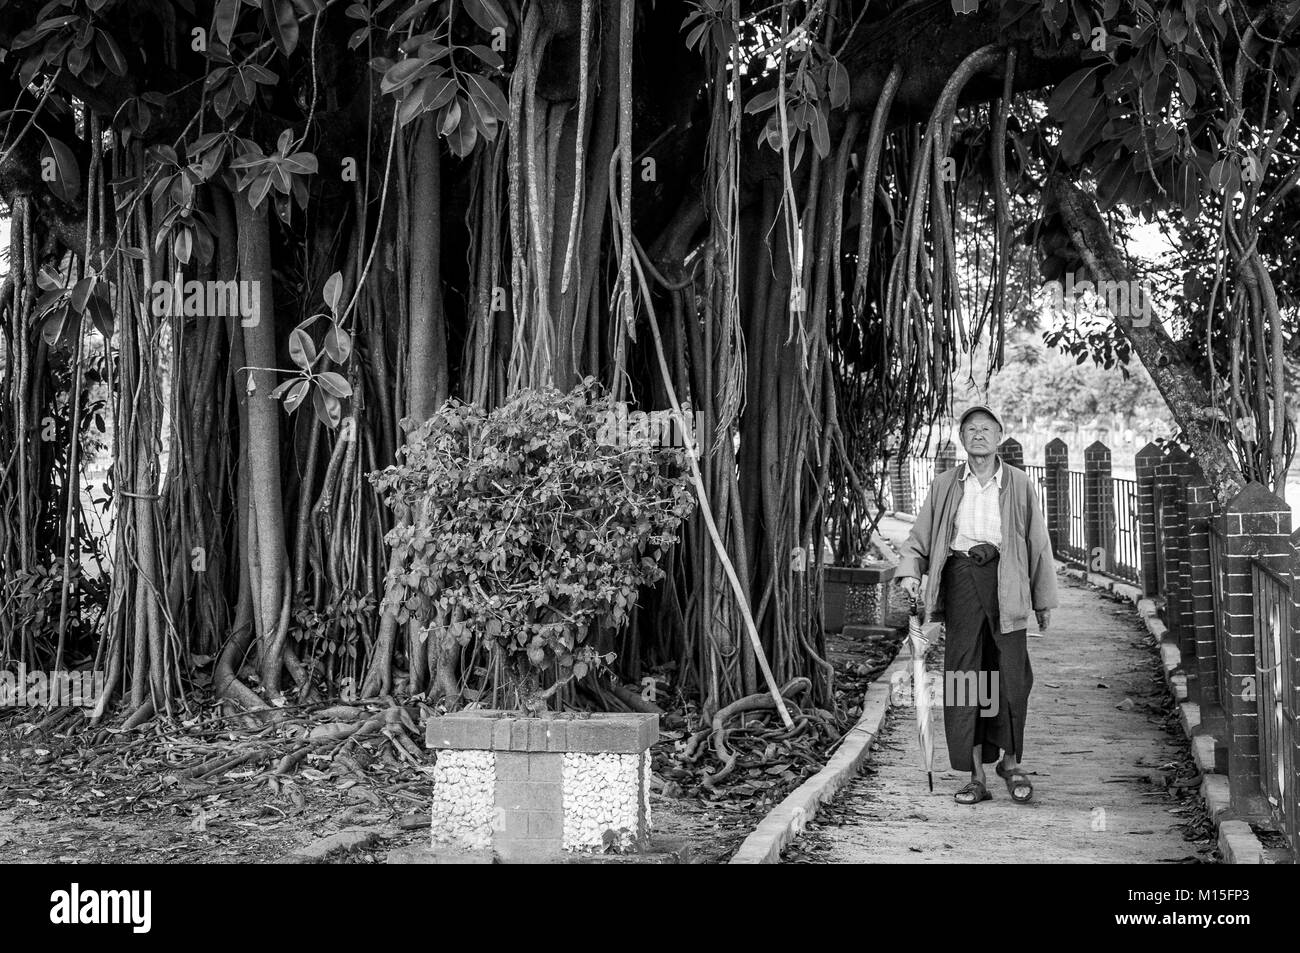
979,517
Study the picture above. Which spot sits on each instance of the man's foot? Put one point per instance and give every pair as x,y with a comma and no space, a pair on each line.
973,793
1018,785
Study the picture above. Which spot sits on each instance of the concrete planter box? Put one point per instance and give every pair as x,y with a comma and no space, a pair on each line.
531,789
853,595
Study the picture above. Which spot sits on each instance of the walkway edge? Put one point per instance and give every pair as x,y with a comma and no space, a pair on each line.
786,821
1238,843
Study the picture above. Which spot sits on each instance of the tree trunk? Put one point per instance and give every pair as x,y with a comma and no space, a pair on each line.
263,443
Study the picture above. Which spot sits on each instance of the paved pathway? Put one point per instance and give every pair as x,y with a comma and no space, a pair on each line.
1094,745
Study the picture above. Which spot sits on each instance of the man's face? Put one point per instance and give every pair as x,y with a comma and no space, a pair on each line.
980,434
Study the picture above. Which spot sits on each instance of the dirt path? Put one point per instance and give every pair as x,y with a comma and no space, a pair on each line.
1099,747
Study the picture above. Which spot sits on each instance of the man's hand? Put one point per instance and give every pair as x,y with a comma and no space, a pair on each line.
910,585
1044,619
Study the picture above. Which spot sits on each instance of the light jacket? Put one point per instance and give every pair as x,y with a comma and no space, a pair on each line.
1026,570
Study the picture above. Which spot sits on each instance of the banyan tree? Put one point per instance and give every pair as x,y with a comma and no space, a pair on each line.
249,238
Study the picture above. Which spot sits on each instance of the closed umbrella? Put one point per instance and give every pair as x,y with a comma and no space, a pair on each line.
919,644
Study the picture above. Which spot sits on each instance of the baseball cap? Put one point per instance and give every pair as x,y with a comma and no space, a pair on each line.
976,408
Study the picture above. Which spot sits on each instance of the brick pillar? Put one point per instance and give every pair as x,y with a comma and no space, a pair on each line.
1255,523
1145,462
1171,520
900,484
1201,665
1056,467
946,458
1098,508
1012,453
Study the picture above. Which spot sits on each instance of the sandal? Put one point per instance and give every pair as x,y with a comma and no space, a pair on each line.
973,793
1016,779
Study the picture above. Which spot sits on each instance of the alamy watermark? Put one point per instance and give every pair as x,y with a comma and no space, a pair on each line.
133,908
963,689
53,689
207,299
650,428
1123,299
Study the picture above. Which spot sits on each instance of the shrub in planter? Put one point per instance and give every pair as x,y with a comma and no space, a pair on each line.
527,525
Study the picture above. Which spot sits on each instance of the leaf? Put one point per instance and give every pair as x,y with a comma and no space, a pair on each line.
1224,176
80,293
463,139
488,56
1187,86
762,101
259,188
283,22
326,407
450,119
487,13
110,53
101,314
401,73
281,388
338,344
48,280
301,348
1079,85
409,15
333,289
412,106
436,91
223,20
821,135
297,391
183,245
838,78
335,383
488,90
67,182
52,329
1081,130
300,163
28,37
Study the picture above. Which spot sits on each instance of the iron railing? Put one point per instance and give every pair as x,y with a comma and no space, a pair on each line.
1038,475
922,472
1076,541
1127,564
1274,686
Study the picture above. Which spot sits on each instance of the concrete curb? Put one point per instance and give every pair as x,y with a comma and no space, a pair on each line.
786,821
1237,842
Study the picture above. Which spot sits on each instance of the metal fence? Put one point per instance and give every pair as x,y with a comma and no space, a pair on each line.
922,473
1038,475
1076,540
1127,564
1274,687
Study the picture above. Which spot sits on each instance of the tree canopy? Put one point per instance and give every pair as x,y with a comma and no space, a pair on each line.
789,219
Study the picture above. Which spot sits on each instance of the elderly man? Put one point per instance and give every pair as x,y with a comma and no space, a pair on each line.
982,538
